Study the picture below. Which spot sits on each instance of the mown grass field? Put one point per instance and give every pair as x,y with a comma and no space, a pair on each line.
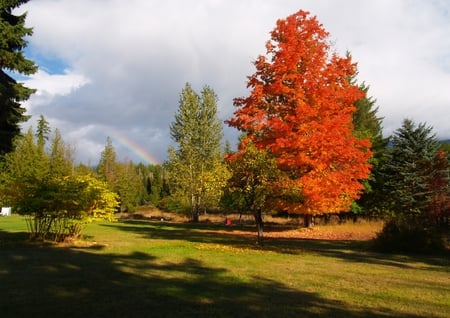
141,268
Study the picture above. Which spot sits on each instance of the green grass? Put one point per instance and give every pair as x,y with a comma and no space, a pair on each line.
157,269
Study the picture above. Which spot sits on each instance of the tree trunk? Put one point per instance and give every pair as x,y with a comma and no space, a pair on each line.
195,209
196,214
259,226
308,220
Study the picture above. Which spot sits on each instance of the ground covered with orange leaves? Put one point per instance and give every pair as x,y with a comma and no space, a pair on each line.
355,231
360,230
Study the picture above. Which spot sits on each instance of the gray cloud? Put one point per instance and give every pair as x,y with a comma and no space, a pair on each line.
126,61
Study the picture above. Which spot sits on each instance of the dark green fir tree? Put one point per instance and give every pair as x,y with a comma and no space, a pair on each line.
12,60
367,124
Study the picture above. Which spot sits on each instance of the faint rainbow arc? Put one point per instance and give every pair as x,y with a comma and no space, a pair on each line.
133,146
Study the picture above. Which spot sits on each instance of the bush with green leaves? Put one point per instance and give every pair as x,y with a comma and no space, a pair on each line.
55,201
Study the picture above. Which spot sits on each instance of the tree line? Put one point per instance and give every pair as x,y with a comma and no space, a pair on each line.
311,144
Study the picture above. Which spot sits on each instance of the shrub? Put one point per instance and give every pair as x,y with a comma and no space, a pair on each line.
403,236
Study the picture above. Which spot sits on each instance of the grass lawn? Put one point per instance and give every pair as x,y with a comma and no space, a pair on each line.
162,269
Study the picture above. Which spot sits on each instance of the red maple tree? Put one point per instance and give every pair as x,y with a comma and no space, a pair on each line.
300,108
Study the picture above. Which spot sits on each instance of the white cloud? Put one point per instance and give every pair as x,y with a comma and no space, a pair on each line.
129,60
51,85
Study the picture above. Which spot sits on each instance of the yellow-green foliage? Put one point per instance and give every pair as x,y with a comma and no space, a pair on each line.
43,187
101,202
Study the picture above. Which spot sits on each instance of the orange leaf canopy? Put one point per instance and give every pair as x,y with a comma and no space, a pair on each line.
300,108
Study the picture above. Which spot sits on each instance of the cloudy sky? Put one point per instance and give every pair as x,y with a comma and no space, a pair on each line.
116,68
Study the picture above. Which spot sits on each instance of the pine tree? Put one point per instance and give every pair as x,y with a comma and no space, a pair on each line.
12,59
198,134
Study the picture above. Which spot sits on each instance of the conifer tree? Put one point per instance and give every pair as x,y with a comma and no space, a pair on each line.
42,132
107,166
128,185
61,156
12,60
407,169
417,190
367,124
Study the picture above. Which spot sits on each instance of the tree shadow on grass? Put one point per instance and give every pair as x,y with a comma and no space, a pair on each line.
48,281
347,250
361,252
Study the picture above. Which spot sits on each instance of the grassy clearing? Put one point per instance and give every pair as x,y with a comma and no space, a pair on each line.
162,269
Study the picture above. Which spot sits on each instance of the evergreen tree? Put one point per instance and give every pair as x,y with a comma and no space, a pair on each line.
367,124
198,133
12,59
107,165
42,132
61,156
153,181
25,167
407,169
416,182
128,185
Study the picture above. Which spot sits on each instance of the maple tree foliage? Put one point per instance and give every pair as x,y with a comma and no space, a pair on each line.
300,109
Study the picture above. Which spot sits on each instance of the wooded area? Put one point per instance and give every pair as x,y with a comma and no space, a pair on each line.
311,145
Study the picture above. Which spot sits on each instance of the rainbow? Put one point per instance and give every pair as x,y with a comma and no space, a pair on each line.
131,145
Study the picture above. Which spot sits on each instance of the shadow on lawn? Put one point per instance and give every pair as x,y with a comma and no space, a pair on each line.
351,251
46,281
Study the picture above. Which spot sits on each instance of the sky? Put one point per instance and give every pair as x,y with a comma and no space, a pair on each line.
114,68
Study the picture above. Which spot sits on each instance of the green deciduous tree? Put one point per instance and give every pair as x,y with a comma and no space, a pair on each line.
197,131
12,59
253,175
